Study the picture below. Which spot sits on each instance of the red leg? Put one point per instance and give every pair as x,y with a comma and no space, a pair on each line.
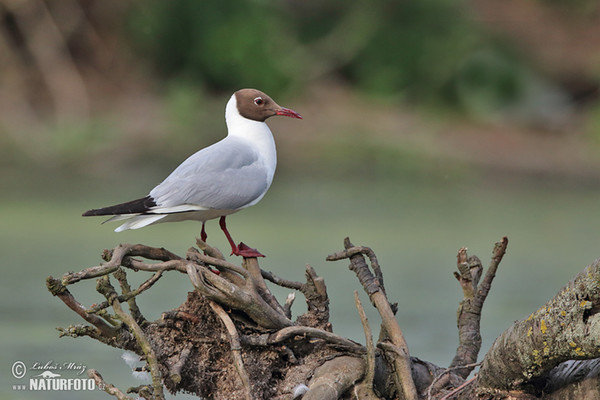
203,237
203,234
242,249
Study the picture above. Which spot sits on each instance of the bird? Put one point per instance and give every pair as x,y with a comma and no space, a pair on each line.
216,181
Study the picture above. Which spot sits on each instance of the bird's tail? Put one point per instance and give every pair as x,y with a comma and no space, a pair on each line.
137,221
138,206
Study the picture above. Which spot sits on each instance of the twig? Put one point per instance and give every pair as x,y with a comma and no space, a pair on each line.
175,371
474,295
433,387
497,254
268,275
59,290
134,310
458,389
287,307
315,292
291,331
347,253
390,347
125,297
209,250
329,337
401,359
116,258
316,282
236,347
107,387
367,382
195,255
354,250
85,330
109,292
171,265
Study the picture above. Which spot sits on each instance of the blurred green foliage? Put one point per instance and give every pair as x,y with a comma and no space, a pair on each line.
220,44
410,50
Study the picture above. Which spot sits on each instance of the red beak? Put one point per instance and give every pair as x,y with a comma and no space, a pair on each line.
286,112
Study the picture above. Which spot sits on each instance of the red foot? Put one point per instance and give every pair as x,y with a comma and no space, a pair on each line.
245,251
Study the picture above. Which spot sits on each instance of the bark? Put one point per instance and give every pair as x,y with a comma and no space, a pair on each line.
470,308
565,328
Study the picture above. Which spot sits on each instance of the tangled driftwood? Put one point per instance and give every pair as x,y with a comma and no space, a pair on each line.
233,339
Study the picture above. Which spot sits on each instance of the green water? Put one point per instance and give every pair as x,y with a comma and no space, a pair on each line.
415,229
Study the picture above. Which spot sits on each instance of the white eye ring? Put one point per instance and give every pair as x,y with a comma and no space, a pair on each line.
259,101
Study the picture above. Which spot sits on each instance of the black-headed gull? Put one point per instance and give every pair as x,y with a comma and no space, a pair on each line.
218,180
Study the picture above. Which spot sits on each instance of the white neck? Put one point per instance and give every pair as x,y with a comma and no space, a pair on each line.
257,134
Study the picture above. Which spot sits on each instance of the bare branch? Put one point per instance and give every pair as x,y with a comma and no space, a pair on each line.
459,389
470,308
209,250
59,290
236,347
109,292
287,307
185,338
447,378
116,258
291,331
401,360
121,276
317,301
107,387
245,299
334,377
175,371
125,297
221,264
497,254
365,389
270,276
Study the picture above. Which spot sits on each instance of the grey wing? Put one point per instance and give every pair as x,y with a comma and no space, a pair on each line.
225,176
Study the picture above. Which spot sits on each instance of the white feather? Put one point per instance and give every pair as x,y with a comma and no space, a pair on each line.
177,209
120,217
133,361
300,390
140,221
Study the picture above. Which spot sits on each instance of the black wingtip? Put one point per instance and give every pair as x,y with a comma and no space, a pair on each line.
138,206
96,212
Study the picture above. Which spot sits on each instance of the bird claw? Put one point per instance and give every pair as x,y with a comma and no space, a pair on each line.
246,251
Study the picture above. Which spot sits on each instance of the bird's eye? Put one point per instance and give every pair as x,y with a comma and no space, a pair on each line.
259,101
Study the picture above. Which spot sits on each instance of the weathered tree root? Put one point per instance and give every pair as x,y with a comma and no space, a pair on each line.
236,347
565,328
372,284
240,289
469,311
332,379
233,339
